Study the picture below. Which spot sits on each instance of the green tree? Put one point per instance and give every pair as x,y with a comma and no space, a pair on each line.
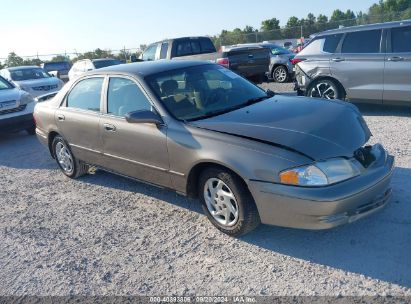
32,61
270,25
13,60
59,58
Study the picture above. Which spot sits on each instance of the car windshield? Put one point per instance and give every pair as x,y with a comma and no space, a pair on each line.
4,84
56,66
105,63
28,73
278,50
203,91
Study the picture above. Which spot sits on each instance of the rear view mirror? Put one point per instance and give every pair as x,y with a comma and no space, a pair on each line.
144,116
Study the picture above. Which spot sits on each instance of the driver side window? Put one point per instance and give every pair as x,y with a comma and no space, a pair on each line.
125,96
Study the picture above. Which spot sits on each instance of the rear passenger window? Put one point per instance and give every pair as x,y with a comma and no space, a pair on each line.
401,39
86,94
164,49
362,42
331,43
125,96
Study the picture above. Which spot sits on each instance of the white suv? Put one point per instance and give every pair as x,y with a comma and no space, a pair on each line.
16,109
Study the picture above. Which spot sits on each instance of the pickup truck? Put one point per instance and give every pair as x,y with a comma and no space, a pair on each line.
248,61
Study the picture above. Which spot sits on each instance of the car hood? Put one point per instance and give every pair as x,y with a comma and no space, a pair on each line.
10,94
38,82
316,128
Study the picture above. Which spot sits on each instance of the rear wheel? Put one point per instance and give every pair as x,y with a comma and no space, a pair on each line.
65,159
326,89
280,74
227,202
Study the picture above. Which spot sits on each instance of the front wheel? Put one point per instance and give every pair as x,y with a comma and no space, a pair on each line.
326,89
227,202
66,160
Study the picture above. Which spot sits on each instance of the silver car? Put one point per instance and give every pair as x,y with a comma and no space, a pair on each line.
197,128
16,109
370,63
32,79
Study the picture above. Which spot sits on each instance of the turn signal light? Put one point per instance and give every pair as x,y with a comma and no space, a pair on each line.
289,177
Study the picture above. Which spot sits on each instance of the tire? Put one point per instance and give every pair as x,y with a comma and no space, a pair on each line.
65,159
280,74
325,89
222,193
31,131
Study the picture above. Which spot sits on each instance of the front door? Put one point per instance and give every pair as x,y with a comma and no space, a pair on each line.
397,74
360,66
78,119
137,150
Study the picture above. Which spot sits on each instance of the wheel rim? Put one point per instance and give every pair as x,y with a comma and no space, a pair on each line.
323,90
221,202
64,158
280,75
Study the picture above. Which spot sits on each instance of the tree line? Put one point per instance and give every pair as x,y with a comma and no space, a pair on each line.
383,11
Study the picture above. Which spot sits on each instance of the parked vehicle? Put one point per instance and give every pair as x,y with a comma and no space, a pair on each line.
60,67
369,63
251,61
32,79
280,68
202,130
85,65
16,109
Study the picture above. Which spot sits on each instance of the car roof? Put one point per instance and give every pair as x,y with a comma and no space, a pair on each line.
23,67
147,68
375,26
181,38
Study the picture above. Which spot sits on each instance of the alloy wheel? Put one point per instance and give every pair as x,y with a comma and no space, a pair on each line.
64,157
280,74
324,90
221,202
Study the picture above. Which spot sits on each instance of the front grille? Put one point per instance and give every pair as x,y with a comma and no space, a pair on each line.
18,109
45,88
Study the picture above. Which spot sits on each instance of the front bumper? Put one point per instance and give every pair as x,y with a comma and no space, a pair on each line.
16,123
330,206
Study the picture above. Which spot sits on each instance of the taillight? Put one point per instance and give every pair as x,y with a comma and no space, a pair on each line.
224,62
294,61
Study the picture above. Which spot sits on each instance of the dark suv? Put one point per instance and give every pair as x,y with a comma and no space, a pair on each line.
369,63
61,67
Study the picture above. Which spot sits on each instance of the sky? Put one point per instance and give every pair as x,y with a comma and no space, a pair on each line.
58,26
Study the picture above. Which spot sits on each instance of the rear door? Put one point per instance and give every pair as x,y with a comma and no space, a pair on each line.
249,62
359,65
78,119
397,74
137,150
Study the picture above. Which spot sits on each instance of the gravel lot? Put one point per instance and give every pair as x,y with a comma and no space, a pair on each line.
106,235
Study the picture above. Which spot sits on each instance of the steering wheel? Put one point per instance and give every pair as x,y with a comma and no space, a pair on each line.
215,96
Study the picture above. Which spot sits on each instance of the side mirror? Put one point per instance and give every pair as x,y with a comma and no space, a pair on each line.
133,58
144,116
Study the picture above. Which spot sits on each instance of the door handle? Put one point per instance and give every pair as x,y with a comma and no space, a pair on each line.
338,59
395,59
60,117
109,127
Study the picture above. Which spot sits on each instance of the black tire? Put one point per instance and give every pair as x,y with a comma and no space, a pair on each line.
78,168
248,217
280,74
319,87
31,131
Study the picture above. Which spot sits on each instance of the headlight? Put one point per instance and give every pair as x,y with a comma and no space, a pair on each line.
26,99
322,173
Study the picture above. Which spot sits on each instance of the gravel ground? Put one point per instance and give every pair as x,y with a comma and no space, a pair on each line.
106,235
